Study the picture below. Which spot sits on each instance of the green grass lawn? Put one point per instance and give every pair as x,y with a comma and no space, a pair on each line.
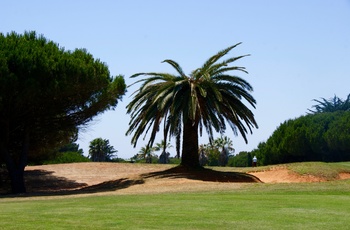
256,206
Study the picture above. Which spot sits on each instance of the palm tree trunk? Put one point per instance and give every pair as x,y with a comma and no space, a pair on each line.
190,157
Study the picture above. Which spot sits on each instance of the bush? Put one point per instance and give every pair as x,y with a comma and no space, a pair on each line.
314,137
174,160
67,157
243,159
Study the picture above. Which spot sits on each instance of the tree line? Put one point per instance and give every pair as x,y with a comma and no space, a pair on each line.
321,135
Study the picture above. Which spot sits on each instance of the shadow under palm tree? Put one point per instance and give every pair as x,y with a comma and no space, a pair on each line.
203,174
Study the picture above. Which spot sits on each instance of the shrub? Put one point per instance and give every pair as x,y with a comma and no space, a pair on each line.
314,137
67,157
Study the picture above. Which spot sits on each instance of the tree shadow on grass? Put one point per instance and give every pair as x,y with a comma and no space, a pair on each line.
204,174
44,183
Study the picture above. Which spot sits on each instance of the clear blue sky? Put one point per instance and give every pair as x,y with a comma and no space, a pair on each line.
300,50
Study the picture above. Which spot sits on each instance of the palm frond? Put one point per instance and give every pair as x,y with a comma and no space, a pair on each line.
331,105
216,57
176,66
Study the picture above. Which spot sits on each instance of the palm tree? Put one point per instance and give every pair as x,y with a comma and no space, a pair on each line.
101,150
224,142
226,146
203,154
162,146
164,156
145,153
331,105
209,97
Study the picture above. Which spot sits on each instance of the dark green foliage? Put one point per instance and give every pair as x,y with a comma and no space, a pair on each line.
71,147
164,155
48,156
100,150
46,94
209,155
174,160
314,137
243,159
331,105
145,155
216,153
149,159
225,146
67,157
68,153
213,155
118,160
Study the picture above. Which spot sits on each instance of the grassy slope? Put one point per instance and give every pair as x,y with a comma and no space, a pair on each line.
328,171
323,205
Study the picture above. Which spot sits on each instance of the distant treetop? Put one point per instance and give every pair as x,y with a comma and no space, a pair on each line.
331,105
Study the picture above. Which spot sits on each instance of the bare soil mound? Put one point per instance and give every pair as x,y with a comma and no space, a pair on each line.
283,175
126,178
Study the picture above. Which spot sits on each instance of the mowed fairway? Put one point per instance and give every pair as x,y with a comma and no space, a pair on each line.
213,205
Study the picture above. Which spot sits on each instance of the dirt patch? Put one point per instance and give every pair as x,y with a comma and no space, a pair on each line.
283,175
126,178
344,176
96,173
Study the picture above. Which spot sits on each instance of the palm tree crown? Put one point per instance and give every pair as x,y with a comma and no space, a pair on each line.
209,97
331,105
101,150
